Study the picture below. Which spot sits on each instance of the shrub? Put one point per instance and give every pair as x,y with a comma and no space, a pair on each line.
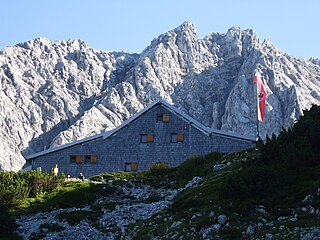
7,224
13,189
297,147
196,166
16,187
40,182
252,181
159,168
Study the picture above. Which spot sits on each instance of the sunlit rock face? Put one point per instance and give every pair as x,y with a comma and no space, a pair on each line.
55,92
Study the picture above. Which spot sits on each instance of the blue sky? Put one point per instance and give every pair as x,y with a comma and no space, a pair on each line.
130,25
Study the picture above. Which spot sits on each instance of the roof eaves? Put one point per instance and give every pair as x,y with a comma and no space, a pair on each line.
232,135
51,150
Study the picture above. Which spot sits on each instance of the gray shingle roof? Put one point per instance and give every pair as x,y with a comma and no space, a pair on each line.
50,150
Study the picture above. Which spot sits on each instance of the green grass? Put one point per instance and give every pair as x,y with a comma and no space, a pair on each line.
160,178
80,194
235,191
203,199
196,166
72,194
210,196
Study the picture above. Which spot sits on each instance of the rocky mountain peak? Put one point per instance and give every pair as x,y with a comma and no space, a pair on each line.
35,43
186,29
54,92
186,32
314,60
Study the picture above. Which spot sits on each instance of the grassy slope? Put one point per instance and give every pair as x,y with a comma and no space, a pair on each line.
195,211
192,211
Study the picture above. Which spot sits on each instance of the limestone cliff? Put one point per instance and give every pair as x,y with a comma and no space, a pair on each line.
54,92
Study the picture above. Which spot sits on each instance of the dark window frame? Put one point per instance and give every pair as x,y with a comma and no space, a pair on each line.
87,159
159,117
131,166
177,137
146,138
163,118
73,159
83,159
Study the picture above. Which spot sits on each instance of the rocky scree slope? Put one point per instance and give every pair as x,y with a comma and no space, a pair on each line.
54,92
151,206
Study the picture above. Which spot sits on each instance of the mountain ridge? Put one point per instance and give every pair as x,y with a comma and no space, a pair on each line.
54,92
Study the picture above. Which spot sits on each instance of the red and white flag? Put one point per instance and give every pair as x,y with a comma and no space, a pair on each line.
261,94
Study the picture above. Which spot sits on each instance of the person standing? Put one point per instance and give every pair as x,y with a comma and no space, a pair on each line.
81,176
55,170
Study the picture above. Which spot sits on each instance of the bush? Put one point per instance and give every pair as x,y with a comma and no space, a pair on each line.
159,168
13,189
297,147
40,182
293,150
16,187
252,181
196,166
7,224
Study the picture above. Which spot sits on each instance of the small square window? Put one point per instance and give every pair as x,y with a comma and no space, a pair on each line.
163,118
127,167
73,159
180,137
166,118
177,137
159,117
93,159
145,138
87,159
79,159
173,137
76,159
131,167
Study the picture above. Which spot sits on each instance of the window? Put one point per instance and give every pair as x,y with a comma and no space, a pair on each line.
173,137
93,159
131,167
163,118
86,159
177,137
79,159
73,159
145,138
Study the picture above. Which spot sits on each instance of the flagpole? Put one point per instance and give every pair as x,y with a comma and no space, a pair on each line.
257,102
261,96
258,125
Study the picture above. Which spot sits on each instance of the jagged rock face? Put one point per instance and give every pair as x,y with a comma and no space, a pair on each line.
47,87
52,93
